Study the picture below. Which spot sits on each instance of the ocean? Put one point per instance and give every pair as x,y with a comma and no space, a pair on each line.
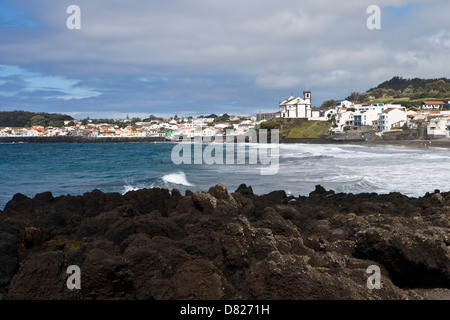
76,168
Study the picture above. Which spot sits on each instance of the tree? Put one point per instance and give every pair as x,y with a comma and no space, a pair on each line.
134,120
363,97
24,118
38,120
223,118
408,91
377,93
354,96
391,92
328,104
57,123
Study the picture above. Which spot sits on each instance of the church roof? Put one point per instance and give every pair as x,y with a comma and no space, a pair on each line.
292,101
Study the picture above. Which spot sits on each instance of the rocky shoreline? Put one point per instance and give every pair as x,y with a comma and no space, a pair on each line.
160,244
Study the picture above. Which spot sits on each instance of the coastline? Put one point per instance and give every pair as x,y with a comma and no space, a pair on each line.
417,143
423,143
78,139
226,245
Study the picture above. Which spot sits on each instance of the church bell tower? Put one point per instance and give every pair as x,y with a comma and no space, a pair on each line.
307,96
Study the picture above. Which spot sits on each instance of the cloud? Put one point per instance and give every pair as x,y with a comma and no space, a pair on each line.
30,81
200,54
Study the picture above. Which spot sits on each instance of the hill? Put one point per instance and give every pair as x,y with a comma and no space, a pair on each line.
299,129
27,119
399,83
408,92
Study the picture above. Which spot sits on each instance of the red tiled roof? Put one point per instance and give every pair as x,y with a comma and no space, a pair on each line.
434,102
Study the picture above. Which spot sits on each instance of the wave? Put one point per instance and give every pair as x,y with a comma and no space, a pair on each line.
128,188
131,187
176,178
363,184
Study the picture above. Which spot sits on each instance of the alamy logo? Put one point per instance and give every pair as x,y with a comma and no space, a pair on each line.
374,281
374,20
250,148
74,281
74,20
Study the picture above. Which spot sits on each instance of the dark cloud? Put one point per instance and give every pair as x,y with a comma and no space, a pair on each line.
207,55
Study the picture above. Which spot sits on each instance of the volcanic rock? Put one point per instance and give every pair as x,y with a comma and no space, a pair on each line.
156,244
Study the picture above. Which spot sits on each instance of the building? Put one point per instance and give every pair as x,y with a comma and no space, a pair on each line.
344,104
439,127
343,118
375,116
379,107
365,118
433,104
391,119
296,107
267,116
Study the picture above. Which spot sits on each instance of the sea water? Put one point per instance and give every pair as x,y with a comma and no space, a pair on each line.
76,168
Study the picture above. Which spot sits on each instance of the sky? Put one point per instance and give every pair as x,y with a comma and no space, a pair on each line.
197,57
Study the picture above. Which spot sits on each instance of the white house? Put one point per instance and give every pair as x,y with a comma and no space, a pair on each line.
432,104
391,119
200,131
296,107
365,118
221,126
343,118
379,107
315,116
344,104
439,126
209,132
245,125
330,112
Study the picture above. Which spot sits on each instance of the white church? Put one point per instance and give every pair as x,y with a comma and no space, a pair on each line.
298,107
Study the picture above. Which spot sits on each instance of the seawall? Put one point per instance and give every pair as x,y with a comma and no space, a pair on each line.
77,139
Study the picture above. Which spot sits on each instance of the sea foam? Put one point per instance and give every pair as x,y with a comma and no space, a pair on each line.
176,178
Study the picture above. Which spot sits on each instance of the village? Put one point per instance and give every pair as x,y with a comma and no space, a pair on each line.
168,128
345,116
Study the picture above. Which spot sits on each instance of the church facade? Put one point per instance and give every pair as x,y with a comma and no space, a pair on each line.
297,107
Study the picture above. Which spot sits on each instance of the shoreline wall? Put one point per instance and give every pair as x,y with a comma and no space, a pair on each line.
78,139
442,142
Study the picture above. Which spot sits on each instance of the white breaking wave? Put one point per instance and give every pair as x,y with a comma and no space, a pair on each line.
128,188
176,178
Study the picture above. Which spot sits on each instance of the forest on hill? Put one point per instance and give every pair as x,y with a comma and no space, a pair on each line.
407,92
27,119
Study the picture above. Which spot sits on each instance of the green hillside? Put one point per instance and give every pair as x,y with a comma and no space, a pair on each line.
407,92
300,128
27,119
